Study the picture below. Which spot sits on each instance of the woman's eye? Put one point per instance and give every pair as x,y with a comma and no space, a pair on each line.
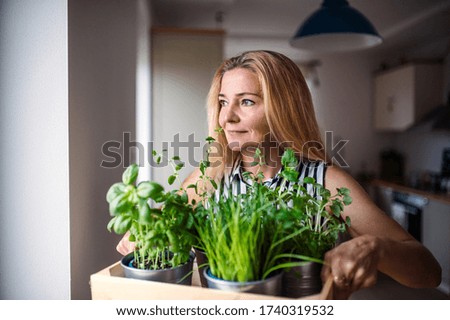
247,102
223,103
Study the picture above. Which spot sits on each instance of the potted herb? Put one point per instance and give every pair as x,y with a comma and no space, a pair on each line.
250,236
163,236
244,235
239,235
320,219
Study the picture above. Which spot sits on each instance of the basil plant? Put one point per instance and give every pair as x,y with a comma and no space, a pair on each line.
163,235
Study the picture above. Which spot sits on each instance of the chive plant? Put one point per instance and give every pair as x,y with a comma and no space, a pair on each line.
164,235
240,234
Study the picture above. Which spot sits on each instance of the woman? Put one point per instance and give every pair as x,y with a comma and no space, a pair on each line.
260,100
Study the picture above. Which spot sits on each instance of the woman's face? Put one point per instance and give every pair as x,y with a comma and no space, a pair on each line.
242,114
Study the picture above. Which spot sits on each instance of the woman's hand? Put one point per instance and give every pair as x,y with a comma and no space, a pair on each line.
125,246
353,265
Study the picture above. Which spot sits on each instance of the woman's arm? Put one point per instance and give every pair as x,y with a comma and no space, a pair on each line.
379,243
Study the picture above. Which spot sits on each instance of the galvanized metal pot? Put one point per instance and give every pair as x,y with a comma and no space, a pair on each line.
268,286
172,275
202,259
302,280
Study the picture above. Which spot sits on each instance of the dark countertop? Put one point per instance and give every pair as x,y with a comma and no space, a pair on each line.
388,289
442,197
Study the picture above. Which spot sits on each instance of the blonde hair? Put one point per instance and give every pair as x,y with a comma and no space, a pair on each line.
287,101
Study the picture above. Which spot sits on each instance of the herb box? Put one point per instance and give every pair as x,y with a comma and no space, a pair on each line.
111,284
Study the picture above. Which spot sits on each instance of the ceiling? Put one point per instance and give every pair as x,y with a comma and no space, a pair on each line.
403,24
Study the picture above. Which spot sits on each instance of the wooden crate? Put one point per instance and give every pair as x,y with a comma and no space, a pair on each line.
111,284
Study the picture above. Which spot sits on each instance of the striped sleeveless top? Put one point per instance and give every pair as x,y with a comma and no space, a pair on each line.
306,168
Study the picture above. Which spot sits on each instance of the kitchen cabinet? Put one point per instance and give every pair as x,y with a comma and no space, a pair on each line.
403,95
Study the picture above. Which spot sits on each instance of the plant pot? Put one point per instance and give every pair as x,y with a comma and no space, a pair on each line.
180,275
302,280
201,260
269,286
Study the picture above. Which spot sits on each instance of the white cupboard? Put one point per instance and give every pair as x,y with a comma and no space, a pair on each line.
403,95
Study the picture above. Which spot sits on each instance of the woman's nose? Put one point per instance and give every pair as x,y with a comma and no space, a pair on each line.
230,113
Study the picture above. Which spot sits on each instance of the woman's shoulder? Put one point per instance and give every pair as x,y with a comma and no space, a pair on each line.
337,177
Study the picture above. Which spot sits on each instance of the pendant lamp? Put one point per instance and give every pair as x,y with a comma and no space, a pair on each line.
336,27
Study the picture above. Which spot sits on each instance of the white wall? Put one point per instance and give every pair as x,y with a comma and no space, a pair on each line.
143,82
34,163
67,86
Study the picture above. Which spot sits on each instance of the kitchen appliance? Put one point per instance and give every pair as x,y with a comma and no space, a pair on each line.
445,168
406,209
392,165
445,171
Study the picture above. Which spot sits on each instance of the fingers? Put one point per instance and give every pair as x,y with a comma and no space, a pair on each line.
342,281
365,276
343,287
369,281
124,247
341,284
350,271
341,268
326,271
352,276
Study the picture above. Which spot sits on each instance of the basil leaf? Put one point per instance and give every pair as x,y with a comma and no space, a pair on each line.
130,174
119,205
144,213
114,191
122,224
149,189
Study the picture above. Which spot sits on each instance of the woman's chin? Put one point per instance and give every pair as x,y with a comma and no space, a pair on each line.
245,148
234,147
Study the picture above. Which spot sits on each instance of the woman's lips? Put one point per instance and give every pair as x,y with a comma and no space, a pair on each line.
236,131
